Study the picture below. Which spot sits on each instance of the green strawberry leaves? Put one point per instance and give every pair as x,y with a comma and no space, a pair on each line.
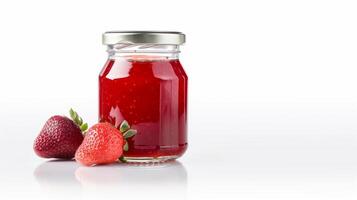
78,120
126,146
127,133
126,130
124,126
84,127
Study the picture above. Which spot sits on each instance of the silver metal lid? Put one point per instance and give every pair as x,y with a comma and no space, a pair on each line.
142,37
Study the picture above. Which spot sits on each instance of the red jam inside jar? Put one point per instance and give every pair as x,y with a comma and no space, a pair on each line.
146,85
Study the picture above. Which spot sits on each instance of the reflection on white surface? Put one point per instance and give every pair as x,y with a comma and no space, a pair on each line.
170,173
56,178
241,166
143,180
56,172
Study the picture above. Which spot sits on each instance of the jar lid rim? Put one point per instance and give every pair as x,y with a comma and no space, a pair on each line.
143,37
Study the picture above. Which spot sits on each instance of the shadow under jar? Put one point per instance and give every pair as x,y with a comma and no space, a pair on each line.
144,83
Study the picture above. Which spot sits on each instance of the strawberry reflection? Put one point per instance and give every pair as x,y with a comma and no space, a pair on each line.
57,177
160,180
135,180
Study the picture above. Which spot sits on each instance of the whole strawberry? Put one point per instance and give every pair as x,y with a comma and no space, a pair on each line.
60,137
103,144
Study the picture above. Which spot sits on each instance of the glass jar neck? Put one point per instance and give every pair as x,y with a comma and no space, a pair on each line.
143,51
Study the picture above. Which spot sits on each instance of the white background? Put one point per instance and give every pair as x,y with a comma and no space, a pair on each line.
272,97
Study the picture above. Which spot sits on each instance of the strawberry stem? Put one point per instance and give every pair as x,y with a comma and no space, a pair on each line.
78,120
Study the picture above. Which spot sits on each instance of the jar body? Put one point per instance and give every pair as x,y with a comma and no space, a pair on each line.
151,94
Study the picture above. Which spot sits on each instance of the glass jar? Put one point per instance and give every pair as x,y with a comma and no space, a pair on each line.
143,82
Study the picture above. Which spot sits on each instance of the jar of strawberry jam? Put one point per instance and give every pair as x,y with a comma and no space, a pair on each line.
143,82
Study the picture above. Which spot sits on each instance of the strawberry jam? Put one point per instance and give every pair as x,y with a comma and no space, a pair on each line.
144,83
151,94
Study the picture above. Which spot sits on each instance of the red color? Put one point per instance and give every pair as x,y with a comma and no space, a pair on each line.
103,144
59,138
152,96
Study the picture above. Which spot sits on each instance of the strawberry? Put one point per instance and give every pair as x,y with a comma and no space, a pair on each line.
60,137
104,144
